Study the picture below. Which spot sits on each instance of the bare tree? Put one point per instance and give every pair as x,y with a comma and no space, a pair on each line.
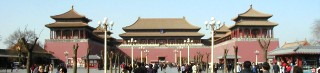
264,44
236,58
30,48
28,35
225,70
316,32
75,53
88,59
207,67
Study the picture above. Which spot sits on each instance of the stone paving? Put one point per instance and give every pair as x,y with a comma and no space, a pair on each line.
83,70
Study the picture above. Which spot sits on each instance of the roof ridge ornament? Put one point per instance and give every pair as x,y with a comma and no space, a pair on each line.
72,7
250,5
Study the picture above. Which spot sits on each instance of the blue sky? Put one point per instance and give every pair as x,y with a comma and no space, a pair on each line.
295,17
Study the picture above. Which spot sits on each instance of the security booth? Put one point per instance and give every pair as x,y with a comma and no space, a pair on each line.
94,61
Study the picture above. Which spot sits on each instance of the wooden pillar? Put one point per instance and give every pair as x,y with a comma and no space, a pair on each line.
79,35
84,33
238,33
50,34
72,34
61,37
147,41
242,33
271,32
231,34
55,34
260,33
250,32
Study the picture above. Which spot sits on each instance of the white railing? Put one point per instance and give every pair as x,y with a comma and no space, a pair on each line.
156,45
66,40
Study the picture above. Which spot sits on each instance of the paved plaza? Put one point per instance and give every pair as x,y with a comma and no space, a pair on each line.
83,70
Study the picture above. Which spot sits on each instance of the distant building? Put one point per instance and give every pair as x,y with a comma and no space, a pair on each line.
249,27
161,36
299,53
70,29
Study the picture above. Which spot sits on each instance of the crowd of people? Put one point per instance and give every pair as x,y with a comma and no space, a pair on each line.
248,67
245,67
42,68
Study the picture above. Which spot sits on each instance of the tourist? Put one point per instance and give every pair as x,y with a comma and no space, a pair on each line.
194,69
46,68
36,69
254,68
216,67
186,68
129,68
150,69
275,68
63,67
40,69
313,70
246,66
189,68
238,68
297,69
179,68
259,66
318,69
183,69
288,69
62,70
50,68
156,67
198,68
164,66
265,67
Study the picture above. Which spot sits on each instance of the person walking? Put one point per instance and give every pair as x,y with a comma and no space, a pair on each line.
41,69
238,68
164,66
313,70
50,68
276,68
194,69
183,68
254,68
150,69
156,67
247,66
265,67
129,68
179,68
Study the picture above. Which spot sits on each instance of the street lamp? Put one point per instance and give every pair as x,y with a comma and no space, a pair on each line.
19,54
141,49
179,49
66,53
188,42
106,26
257,53
175,55
146,51
212,23
132,42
